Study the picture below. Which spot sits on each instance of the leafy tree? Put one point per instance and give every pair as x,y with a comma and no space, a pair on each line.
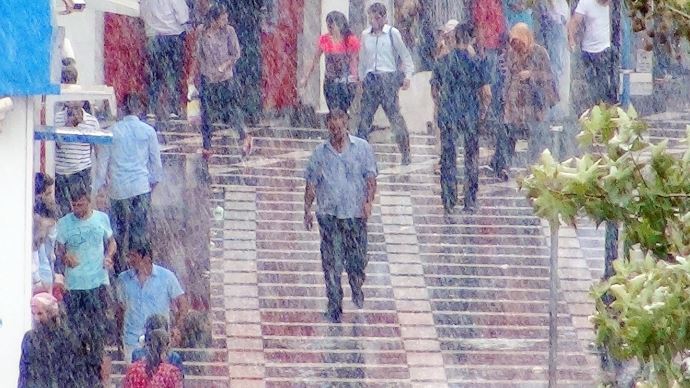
643,187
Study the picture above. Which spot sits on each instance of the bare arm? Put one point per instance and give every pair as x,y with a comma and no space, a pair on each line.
573,27
311,66
485,98
370,195
180,309
309,196
371,189
110,250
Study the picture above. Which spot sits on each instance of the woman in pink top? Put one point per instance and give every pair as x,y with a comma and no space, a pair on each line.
341,48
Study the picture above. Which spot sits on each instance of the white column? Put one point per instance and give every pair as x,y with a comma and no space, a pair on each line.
326,7
16,201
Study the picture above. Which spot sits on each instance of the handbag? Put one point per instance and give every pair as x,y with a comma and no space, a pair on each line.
399,74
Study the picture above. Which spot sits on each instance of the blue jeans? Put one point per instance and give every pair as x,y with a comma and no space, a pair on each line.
165,56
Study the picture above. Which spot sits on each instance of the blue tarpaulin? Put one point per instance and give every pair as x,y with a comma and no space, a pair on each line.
26,47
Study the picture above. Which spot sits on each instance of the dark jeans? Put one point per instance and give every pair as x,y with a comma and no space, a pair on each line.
63,185
338,94
449,169
343,244
601,76
130,224
89,318
165,60
219,100
382,90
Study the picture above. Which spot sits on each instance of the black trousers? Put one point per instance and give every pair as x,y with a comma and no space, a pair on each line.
89,318
165,60
219,100
130,219
343,244
449,170
65,183
382,90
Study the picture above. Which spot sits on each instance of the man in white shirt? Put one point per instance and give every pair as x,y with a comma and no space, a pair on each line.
597,55
72,160
381,48
166,23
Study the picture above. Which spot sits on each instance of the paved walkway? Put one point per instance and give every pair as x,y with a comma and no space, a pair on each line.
450,301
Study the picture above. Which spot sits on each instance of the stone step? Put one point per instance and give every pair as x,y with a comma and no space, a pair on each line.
189,381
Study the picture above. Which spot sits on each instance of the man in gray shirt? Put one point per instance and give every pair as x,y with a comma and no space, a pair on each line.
341,176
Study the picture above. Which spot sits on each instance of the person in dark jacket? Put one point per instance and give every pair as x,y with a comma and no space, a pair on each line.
50,351
464,90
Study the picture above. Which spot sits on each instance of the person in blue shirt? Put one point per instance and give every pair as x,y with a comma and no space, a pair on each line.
464,91
129,168
84,254
341,176
144,290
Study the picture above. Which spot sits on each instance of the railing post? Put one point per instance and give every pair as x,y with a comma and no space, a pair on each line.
553,306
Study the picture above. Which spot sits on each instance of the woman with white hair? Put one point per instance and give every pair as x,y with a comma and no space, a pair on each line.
50,351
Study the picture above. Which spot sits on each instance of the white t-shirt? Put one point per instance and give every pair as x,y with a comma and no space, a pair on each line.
597,36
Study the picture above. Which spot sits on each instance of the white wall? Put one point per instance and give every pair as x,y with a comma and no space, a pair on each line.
16,175
85,31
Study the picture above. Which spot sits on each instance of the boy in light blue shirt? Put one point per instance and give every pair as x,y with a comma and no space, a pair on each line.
85,249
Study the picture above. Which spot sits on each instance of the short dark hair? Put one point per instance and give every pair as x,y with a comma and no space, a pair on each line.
132,104
41,182
464,33
69,75
378,9
77,192
141,246
336,113
215,11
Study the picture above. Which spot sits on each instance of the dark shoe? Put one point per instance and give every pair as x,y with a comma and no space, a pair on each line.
358,298
470,209
503,175
406,160
333,316
448,209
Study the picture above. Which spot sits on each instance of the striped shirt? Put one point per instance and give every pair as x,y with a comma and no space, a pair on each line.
71,158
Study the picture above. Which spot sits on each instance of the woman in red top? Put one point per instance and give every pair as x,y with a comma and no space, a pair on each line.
152,371
341,48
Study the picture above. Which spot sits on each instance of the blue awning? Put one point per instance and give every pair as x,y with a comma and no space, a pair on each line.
26,48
